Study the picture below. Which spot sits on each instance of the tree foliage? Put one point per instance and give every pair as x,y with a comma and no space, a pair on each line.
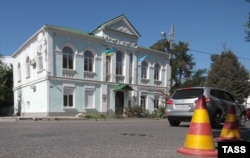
226,72
182,63
6,84
197,79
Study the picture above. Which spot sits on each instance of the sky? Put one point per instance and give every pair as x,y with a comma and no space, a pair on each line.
208,26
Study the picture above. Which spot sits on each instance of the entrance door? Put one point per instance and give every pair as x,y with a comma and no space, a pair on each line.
119,103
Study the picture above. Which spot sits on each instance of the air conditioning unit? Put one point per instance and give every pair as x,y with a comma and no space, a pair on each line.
33,87
32,62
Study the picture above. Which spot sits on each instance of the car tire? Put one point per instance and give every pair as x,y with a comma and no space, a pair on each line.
242,120
217,120
174,122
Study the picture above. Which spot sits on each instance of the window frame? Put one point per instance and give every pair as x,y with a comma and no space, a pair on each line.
143,102
119,63
68,58
87,100
157,72
68,97
39,61
88,61
144,70
27,67
19,72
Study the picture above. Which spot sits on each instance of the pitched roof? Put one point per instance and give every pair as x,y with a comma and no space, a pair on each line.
68,29
116,19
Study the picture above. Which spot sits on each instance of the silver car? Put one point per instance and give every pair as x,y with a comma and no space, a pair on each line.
180,107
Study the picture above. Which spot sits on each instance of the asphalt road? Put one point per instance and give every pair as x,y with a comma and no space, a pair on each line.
137,138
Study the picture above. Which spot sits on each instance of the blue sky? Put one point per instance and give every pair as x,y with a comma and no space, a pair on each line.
206,25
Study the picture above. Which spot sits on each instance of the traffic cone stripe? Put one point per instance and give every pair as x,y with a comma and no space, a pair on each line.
231,110
231,118
230,125
200,129
200,142
230,133
200,116
199,103
200,106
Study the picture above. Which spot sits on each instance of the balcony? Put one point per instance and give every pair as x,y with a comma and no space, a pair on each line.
157,83
144,81
69,73
119,78
89,75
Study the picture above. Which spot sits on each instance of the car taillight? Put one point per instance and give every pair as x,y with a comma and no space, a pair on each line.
170,102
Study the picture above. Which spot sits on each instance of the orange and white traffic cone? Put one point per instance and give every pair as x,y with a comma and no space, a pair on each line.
199,140
230,130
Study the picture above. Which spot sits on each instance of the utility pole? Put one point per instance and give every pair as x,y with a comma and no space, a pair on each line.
170,53
171,41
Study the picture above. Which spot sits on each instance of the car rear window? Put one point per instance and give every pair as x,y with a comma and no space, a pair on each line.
188,93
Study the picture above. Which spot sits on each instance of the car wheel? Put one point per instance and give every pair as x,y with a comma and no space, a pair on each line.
243,119
174,122
217,120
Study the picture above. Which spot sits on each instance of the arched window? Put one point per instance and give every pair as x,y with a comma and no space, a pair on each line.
119,63
157,72
68,58
88,61
130,64
18,72
144,68
27,64
40,61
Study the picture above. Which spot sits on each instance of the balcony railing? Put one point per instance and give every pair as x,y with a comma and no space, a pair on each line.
89,75
119,78
69,73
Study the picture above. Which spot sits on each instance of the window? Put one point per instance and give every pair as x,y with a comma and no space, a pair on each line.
108,62
27,67
143,103
18,72
108,68
119,63
144,68
68,58
229,97
68,100
40,61
89,98
130,67
157,72
88,61
156,102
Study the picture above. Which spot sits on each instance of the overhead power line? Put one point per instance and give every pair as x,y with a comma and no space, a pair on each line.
203,52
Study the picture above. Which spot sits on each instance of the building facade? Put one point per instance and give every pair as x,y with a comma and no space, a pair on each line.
62,71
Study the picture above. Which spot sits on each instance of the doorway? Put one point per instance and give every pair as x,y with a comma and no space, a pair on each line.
119,102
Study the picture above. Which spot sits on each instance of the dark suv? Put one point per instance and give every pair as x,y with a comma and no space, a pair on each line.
181,105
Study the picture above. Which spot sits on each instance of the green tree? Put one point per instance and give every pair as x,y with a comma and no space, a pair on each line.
182,63
226,72
197,79
6,85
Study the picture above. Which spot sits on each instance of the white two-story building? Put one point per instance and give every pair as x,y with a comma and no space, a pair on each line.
62,71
